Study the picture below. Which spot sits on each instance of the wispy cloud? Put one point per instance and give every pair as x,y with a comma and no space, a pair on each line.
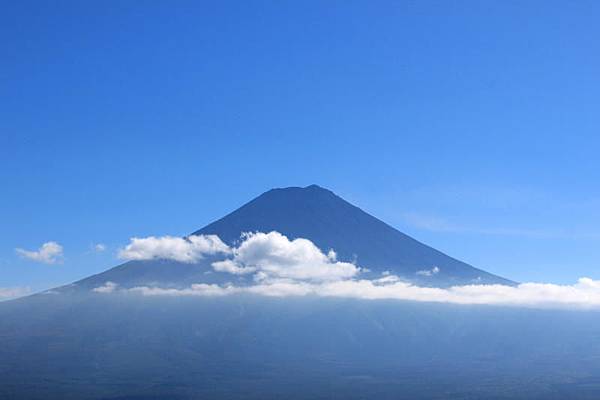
479,194
439,224
428,272
108,287
8,293
99,247
48,253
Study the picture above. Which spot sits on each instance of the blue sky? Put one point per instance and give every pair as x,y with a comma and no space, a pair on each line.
472,126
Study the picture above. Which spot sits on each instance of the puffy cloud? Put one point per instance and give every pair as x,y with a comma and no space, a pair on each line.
108,287
428,272
49,253
8,293
273,256
99,247
188,250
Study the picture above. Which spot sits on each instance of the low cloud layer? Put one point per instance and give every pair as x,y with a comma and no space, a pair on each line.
187,250
8,293
280,267
585,294
108,287
48,253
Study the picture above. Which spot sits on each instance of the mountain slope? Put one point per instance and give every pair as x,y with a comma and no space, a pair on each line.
333,223
324,218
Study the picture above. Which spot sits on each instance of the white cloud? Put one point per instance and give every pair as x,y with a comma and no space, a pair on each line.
49,253
428,272
108,287
232,267
8,293
387,279
585,294
273,289
198,289
99,247
187,250
273,256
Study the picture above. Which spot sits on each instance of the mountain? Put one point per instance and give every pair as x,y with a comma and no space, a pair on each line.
75,343
331,222
328,221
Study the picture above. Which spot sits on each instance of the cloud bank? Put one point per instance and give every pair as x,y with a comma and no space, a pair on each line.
49,253
187,250
280,267
585,294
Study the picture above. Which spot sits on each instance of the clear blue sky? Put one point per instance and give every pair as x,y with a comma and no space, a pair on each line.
471,125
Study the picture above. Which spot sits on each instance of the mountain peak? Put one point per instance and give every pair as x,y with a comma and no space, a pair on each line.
310,189
315,187
292,198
